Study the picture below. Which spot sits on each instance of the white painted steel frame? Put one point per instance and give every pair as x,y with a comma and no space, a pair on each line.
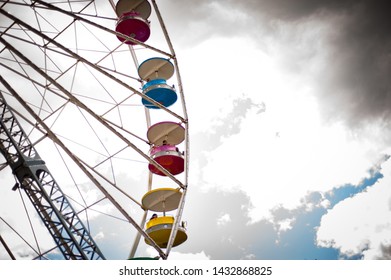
109,125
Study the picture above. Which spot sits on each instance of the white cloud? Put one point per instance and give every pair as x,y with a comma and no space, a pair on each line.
223,219
218,71
180,256
360,222
189,256
280,155
99,235
285,225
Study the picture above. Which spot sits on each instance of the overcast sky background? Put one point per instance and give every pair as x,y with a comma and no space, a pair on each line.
289,106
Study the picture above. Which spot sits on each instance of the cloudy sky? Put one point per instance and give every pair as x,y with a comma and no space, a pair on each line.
291,149
289,106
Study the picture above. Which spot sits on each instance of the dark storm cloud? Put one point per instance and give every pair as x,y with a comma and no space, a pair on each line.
354,83
385,252
357,86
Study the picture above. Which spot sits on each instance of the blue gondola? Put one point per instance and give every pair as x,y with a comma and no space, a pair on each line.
159,91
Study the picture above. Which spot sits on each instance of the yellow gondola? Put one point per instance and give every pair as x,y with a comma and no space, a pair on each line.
159,229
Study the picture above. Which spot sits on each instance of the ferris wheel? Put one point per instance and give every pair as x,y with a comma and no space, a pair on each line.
93,131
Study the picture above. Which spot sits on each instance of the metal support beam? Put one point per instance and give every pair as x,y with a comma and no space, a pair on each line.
57,214
54,138
7,248
179,213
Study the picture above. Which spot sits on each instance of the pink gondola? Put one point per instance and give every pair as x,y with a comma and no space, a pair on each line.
169,157
133,25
